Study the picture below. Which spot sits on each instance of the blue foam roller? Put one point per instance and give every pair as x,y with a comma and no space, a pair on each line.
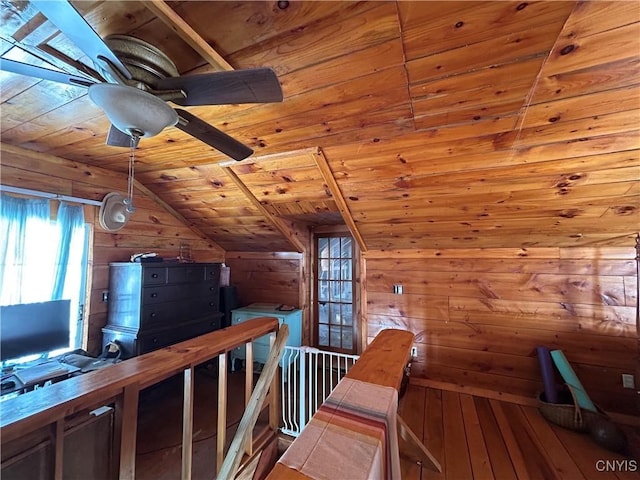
563,366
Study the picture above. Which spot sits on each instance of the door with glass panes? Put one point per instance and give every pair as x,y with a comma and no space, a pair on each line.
334,294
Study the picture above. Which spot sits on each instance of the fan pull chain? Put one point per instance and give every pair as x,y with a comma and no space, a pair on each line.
132,158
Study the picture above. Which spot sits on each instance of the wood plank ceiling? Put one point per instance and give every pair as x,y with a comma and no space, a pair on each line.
439,124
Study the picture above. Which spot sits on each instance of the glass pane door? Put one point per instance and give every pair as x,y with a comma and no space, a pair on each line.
334,293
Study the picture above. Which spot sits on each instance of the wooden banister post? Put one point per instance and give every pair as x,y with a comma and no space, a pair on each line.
127,418
222,409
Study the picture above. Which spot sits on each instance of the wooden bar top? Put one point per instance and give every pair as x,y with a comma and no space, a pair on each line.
382,363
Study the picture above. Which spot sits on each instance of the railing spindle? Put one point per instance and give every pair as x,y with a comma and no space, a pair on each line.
301,392
274,408
187,424
222,409
248,387
59,449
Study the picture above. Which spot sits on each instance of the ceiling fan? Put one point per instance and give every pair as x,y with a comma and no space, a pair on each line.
133,81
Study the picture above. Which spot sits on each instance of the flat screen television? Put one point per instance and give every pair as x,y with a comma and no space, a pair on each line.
33,328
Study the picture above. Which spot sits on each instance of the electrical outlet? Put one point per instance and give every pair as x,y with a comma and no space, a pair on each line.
414,352
397,289
628,381
105,296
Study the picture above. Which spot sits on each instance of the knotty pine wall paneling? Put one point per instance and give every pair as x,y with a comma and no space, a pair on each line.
271,277
151,227
478,315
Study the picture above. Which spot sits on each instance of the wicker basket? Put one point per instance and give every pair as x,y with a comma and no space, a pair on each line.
569,415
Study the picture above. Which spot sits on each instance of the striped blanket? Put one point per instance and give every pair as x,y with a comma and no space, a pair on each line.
353,435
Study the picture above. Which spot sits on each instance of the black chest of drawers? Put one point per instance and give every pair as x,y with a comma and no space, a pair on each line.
152,305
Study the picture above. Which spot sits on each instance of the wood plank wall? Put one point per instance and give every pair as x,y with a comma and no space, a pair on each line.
151,228
478,315
271,277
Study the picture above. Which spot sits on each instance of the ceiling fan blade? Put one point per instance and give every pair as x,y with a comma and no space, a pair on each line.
258,85
210,135
70,22
116,138
43,73
49,55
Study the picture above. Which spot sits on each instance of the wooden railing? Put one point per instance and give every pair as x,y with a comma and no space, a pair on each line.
119,386
382,363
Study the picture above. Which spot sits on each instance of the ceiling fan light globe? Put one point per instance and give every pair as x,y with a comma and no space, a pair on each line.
131,110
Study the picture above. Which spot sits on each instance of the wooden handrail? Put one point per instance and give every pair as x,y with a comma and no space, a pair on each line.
384,360
382,363
120,384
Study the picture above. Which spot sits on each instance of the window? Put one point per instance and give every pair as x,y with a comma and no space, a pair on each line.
334,299
43,259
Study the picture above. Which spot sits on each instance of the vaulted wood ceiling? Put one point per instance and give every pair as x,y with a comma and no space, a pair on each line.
418,124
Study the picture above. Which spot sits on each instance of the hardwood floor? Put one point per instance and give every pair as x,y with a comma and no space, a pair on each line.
472,437
479,438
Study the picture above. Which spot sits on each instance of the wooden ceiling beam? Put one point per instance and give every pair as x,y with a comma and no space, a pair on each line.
327,174
165,13
284,157
276,222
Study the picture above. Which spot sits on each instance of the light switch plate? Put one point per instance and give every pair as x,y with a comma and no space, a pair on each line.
628,381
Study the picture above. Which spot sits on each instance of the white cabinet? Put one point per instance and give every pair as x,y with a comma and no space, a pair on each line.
292,318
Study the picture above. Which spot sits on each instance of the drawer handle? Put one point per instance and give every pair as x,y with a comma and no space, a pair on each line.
155,340
153,315
211,304
154,275
211,289
154,295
